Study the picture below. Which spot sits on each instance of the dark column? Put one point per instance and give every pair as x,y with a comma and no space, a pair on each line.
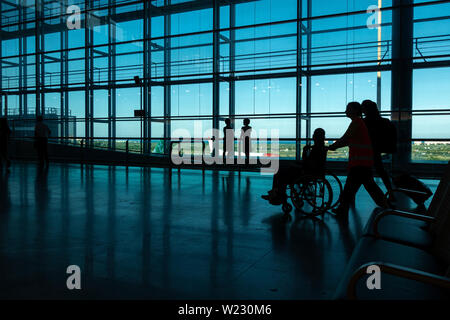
147,76
89,75
308,70
21,62
232,92
402,50
216,58
38,56
64,78
298,120
111,75
1,66
167,71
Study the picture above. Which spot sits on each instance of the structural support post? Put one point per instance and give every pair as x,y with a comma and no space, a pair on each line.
147,76
216,65
401,83
112,32
89,75
64,80
42,56
232,83
38,57
24,64
21,62
298,89
308,69
1,63
167,71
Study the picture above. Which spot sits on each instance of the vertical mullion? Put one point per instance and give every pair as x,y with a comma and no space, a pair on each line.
21,53
147,76
86,71
42,58
91,77
24,64
308,78
66,81
112,54
167,72
37,59
232,89
298,82
1,63
111,117
216,56
62,37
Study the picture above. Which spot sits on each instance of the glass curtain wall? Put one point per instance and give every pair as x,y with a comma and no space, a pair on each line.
104,72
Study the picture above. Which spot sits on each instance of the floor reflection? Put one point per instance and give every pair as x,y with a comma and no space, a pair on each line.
161,233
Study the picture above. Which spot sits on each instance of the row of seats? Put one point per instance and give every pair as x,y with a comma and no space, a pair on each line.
411,250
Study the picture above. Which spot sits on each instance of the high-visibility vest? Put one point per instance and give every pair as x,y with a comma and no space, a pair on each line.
360,147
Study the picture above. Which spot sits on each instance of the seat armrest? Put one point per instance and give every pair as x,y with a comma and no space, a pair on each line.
399,213
399,271
405,191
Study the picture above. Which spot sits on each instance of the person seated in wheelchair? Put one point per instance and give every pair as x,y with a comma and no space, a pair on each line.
312,164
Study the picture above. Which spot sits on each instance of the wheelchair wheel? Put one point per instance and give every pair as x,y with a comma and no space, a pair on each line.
296,195
318,196
336,186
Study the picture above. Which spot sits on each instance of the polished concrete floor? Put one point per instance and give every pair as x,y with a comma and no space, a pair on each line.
149,233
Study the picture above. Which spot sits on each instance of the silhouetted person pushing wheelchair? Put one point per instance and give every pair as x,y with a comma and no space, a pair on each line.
360,161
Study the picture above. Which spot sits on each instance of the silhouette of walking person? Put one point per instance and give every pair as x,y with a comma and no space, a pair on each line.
246,132
375,125
5,133
41,134
228,135
360,161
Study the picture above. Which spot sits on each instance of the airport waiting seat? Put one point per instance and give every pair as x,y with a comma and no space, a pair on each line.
409,268
407,272
414,274
409,228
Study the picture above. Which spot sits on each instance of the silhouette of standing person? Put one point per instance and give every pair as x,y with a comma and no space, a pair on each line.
360,161
41,134
227,149
246,132
374,124
5,133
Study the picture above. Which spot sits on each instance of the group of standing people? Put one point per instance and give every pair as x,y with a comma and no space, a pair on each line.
245,139
41,135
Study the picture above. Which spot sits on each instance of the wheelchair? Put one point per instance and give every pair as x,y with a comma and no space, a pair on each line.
312,195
